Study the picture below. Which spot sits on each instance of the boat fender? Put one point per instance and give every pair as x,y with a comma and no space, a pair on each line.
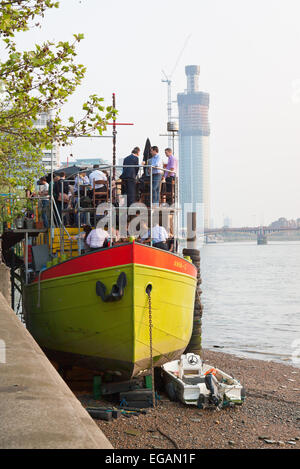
117,291
171,391
212,387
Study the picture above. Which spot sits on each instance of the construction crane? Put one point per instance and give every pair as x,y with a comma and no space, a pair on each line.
168,79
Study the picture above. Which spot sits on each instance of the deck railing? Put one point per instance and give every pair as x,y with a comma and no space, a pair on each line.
144,174
114,208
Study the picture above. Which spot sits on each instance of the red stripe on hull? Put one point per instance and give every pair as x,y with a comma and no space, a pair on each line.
162,259
121,255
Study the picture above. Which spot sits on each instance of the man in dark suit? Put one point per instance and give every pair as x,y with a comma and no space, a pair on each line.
129,175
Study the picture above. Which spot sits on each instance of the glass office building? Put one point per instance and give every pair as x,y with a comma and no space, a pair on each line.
40,123
194,132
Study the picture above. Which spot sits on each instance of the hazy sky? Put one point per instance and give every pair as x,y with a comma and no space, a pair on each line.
248,52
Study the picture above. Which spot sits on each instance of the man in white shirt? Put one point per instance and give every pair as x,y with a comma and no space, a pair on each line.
43,187
97,175
159,237
156,162
97,239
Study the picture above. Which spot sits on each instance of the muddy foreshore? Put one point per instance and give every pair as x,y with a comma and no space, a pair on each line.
271,412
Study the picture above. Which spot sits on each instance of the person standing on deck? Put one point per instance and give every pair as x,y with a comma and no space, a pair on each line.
169,177
44,194
156,162
129,175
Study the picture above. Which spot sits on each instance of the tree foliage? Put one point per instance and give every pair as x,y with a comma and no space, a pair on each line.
34,82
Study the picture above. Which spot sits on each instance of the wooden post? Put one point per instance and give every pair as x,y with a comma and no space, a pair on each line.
194,345
97,387
191,230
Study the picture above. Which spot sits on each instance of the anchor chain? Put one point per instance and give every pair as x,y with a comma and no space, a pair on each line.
148,291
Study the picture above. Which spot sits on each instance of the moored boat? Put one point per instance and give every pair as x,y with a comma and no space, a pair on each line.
93,310
193,382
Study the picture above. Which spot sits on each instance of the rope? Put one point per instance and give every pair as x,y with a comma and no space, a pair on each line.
168,437
148,291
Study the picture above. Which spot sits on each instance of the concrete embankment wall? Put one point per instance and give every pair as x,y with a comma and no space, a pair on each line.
37,409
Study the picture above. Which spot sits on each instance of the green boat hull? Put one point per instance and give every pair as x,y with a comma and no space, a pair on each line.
75,327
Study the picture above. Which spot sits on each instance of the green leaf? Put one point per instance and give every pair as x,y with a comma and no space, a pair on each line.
34,83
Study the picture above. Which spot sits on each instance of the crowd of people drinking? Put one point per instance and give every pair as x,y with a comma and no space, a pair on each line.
92,187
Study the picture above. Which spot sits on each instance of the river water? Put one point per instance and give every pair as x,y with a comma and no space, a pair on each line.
251,298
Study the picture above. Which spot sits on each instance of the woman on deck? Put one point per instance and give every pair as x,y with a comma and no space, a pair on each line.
82,237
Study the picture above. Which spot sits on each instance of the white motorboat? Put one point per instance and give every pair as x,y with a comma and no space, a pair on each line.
193,382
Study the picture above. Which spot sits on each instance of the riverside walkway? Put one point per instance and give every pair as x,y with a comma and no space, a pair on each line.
37,409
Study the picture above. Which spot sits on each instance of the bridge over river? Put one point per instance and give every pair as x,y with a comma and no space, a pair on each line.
260,231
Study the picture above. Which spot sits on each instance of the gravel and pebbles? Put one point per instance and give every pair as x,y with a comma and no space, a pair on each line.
269,418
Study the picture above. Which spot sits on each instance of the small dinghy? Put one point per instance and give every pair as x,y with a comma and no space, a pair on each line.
193,382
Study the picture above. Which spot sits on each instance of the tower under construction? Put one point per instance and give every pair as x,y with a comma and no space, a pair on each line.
194,132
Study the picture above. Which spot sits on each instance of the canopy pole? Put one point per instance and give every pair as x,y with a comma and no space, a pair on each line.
114,132
50,125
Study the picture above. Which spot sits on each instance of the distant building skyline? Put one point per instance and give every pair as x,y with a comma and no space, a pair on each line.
40,123
227,223
285,223
88,161
194,132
